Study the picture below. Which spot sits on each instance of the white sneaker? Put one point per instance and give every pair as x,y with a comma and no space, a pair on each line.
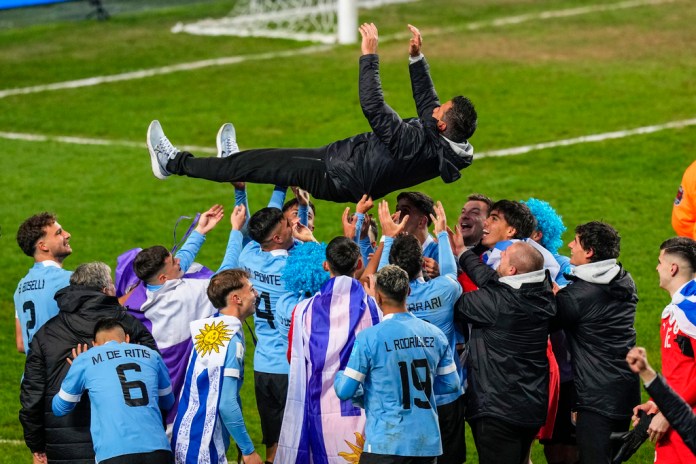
161,150
226,141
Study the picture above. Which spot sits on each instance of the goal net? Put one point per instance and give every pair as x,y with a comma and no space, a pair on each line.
325,21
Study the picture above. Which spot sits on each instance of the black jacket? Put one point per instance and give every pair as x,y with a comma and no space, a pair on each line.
508,370
398,153
598,321
66,439
679,414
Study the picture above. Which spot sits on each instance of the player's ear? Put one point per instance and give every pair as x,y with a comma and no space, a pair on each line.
441,125
359,265
127,338
325,266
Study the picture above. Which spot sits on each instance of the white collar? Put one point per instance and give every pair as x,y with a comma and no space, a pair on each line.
516,281
50,263
600,272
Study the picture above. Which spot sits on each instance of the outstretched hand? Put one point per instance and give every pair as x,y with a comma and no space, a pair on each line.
301,195
238,217
414,46
439,218
364,205
302,233
389,227
77,351
370,38
210,219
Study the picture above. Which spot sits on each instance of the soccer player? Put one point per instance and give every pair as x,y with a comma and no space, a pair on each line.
474,212
264,258
400,363
597,310
44,239
675,266
395,155
210,408
173,301
317,426
88,299
508,369
432,301
127,385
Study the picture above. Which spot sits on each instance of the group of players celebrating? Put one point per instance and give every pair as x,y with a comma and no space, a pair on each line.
366,349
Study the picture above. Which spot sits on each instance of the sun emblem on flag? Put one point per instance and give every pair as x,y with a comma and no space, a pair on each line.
356,448
211,338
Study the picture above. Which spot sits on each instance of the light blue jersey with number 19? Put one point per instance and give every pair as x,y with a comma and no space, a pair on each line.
401,363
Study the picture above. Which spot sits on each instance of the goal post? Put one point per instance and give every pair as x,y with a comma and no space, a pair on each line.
325,21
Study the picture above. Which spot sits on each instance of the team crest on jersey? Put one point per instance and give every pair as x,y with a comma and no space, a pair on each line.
680,195
356,448
212,337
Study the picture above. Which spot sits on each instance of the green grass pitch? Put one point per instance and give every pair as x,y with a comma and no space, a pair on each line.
541,79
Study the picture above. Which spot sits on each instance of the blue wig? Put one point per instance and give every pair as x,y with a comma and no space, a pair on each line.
549,223
304,273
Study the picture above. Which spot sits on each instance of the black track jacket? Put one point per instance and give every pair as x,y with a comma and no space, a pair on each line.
398,153
508,370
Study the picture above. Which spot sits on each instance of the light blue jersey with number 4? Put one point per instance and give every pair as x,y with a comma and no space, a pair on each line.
401,363
127,385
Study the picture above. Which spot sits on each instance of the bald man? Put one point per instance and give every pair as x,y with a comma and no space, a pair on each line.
508,370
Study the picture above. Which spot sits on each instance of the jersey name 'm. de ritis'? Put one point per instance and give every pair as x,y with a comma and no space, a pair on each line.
114,354
410,342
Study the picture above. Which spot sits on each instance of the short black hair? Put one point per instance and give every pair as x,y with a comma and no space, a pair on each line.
294,201
420,201
149,261
461,120
106,324
392,281
32,230
482,198
683,247
601,238
342,254
262,223
518,215
407,253
223,283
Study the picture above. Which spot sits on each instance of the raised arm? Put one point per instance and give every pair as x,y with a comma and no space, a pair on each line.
422,86
399,137
207,222
235,241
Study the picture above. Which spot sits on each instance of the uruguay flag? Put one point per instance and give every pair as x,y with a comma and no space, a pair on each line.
492,256
317,427
684,308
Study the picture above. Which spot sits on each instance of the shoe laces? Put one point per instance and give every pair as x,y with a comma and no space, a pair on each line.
166,148
231,146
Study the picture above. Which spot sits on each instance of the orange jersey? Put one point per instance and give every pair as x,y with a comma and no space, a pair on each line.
684,209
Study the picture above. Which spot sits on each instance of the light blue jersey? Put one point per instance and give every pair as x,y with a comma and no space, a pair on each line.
401,363
34,297
284,308
433,301
127,385
431,249
265,270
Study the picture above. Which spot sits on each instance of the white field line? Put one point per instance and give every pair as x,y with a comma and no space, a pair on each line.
588,139
226,61
489,154
90,141
5,441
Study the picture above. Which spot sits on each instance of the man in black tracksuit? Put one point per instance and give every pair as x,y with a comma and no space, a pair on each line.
508,370
88,299
396,155
597,311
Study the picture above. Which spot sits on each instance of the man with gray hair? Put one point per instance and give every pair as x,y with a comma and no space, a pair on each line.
508,370
89,298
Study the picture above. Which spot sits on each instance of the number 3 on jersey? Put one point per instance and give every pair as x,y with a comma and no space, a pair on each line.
263,309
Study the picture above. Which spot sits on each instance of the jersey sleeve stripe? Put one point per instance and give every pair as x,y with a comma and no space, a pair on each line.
164,391
229,372
69,397
353,374
447,369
